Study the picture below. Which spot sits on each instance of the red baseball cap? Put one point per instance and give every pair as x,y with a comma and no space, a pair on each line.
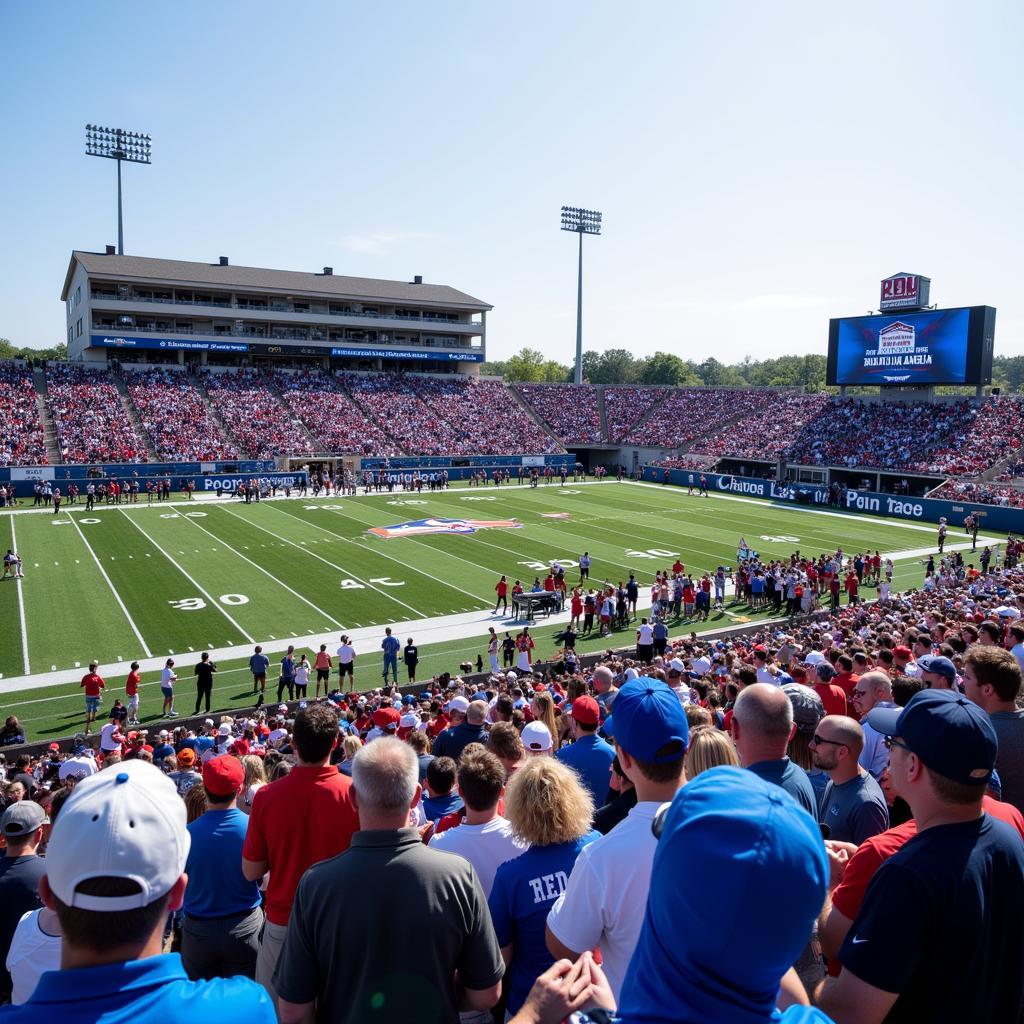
586,711
386,718
903,652
223,776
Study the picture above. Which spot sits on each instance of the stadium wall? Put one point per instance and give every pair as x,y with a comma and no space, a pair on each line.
921,510
459,468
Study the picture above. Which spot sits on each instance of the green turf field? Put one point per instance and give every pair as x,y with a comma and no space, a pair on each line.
140,582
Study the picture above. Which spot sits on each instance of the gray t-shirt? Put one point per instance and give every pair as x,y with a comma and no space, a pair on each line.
380,930
1009,727
855,810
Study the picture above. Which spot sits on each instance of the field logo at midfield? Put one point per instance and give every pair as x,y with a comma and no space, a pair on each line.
420,527
556,515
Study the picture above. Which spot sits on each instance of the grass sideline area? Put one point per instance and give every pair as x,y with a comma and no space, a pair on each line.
138,582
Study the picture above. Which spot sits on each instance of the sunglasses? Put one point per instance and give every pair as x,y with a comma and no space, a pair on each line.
891,741
818,740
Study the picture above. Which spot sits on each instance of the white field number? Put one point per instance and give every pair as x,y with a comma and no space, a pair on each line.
404,501
383,581
780,539
177,515
565,563
475,498
652,553
195,604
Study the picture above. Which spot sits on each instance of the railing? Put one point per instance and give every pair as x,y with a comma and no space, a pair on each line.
281,307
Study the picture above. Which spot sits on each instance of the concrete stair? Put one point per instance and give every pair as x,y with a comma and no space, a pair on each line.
604,416
529,410
133,417
211,405
46,417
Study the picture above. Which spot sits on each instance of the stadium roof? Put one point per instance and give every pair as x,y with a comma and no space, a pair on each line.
216,275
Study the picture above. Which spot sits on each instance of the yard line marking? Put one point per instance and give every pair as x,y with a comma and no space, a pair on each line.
21,606
333,565
265,572
209,597
113,589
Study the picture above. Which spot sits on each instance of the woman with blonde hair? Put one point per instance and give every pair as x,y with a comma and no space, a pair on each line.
350,746
708,747
543,708
548,808
255,778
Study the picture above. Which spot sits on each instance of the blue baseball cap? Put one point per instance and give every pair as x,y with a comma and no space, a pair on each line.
952,735
939,665
716,953
408,699
646,717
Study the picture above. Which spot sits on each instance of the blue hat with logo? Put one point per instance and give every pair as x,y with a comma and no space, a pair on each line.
647,717
952,735
939,665
716,953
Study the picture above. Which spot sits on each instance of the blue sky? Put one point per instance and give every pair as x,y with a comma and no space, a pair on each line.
760,166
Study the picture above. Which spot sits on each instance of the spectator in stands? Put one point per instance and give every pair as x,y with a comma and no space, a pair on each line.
463,731
114,868
22,826
22,442
303,818
761,727
223,912
873,689
550,810
956,884
570,410
451,958
626,406
588,755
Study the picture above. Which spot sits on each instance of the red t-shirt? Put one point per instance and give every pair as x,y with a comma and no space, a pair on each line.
832,697
131,685
297,821
501,588
93,684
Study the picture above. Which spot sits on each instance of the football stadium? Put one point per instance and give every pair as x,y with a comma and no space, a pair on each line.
374,650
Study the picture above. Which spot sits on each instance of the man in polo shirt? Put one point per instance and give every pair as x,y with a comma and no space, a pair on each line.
223,917
114,870
299,820
451,958
853,806
467,727
873,690
604,900
957,885
258,664
588,755
761,727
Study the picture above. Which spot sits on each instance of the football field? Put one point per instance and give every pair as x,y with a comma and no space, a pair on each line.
145,582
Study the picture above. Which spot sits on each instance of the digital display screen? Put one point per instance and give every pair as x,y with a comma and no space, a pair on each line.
943,346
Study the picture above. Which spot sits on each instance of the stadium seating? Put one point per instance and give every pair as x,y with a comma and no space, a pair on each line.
624,407
334,420
979,493
175,414
21,436
766,426
256,417
91,423
570,411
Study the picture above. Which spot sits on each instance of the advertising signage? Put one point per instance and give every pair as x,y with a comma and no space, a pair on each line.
942,346
398,353
904,291
168,344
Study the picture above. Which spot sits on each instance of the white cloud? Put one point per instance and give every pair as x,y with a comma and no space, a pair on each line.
376,242
780,301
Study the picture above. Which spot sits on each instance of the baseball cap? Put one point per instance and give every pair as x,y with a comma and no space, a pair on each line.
224,775
939,665
408,721
386,718
282,709
128,823
675,665
458,704
808,709
814,658
951,735
22,819
717,953
186,757
536,736
163,734
224,730
701,666
408,699
53,746
646,717
586,711
903,651
208,723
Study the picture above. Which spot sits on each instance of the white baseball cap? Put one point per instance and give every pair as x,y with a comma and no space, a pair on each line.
282,709
224,730
458,704
536,736
128,823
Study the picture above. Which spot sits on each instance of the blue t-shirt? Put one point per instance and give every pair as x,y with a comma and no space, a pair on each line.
390,645
216,885
162,751
524,890
792,778
591,758
151,991
258,664
287,667
436,807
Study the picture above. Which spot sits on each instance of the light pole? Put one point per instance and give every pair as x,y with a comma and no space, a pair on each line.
583,222
117,144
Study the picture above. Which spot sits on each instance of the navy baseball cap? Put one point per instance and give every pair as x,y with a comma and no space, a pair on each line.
939,665
716,953
952,735
646,717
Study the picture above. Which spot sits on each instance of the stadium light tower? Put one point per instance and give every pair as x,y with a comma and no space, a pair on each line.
583,222
117,144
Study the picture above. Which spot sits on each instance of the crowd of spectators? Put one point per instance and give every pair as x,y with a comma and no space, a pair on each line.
452,415
259,421
175,413
570,410
624,407
333,419
688,416
980,493
22,442
769,422
91,422
688,462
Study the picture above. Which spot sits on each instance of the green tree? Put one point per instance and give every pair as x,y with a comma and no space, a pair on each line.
668,369
526,367
716,374
557,373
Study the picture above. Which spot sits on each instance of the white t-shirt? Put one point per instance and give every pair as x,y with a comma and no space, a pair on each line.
107,742
645,636
302,674
76,768
604,901
764,676
486,847
346,654
167,677
32,952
